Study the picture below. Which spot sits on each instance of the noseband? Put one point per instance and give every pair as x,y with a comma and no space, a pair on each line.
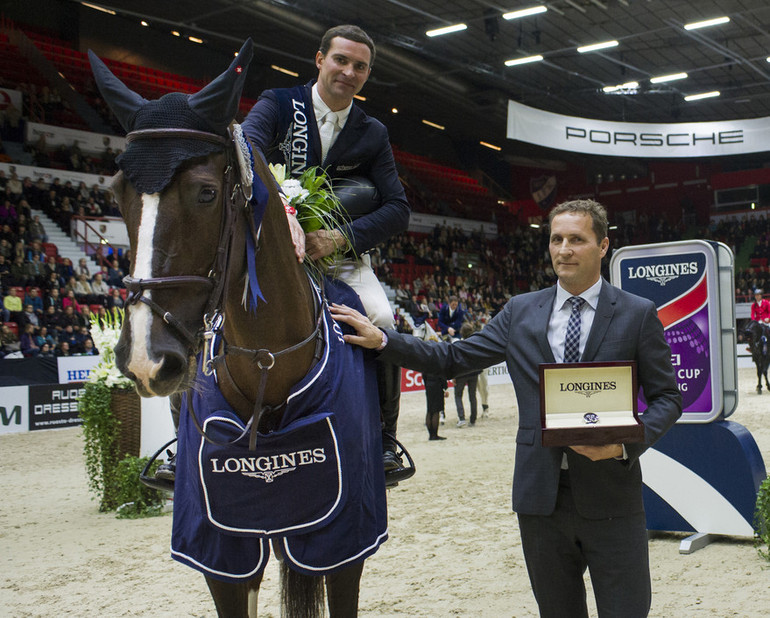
215,280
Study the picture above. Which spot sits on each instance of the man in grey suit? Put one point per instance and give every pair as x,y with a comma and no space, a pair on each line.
578,507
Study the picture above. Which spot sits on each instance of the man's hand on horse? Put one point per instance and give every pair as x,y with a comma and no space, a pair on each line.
324,242
368,335
297,236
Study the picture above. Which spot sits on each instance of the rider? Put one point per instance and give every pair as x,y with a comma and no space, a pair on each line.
760,308
319,124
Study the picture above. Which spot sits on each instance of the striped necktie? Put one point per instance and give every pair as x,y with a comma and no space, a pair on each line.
572,340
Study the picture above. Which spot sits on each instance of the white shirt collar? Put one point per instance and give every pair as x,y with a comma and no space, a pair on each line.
321,109
591,295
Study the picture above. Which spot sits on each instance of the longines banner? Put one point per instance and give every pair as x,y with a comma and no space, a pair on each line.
628,139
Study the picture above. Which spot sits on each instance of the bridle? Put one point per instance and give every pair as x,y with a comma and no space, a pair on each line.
215,280
233,198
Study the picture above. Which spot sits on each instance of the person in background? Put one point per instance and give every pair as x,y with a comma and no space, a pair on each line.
760,308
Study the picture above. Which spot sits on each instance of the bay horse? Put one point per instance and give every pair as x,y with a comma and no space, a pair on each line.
219,309
758,336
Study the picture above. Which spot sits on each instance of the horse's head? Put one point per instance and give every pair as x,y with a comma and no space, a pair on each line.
172,190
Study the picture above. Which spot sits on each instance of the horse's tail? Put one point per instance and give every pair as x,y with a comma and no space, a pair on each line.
302,596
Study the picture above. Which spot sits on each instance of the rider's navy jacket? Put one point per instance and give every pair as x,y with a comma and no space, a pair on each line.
282,125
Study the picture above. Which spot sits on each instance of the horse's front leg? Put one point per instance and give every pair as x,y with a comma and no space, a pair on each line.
235,600
342,591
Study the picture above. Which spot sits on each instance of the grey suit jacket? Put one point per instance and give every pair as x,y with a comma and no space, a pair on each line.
625,327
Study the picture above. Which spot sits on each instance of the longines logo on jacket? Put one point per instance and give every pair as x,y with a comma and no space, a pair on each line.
269,467
587,388
296,143
662,273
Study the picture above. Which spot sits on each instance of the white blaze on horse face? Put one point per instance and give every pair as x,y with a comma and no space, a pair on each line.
140,363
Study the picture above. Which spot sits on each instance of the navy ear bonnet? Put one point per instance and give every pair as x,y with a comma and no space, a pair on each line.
150,163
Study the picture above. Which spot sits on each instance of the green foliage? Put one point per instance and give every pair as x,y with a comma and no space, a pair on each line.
100,429
135,499
762,520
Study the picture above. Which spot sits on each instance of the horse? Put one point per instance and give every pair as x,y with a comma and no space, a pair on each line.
220,310
758,336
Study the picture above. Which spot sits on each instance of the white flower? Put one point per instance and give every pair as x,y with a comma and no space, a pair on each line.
294,191
105,332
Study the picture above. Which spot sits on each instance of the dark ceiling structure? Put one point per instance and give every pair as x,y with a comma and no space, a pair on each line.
460,81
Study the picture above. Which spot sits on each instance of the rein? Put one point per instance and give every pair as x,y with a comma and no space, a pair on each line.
213,320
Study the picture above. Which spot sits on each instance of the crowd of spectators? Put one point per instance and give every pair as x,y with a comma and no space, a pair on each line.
46,300
484,273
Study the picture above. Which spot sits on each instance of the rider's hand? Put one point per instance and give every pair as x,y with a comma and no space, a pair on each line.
324,242
297,236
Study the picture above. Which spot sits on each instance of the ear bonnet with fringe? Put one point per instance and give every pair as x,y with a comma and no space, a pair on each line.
150,163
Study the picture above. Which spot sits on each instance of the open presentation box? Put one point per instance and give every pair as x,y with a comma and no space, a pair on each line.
589,403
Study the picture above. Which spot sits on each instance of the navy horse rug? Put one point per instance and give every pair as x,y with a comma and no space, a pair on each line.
315,485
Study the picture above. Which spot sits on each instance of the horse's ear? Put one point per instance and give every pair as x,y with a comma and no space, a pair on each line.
123,101
218,102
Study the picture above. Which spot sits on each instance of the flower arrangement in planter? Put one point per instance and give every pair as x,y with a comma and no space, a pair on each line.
111,413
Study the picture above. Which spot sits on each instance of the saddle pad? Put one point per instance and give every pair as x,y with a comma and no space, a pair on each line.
293,482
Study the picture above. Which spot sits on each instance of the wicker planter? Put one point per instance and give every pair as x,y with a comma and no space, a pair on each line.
126,407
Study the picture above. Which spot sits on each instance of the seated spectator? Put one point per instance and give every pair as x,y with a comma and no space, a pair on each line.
88,348
83,291
33,298
37,230
53,299
18,274
451,318
46,351
115,300
63,349
9,342
5,271
115,274
43,336
82,268
13,306
100,289
35,271
70,301
52,320
52,282
8,214
65,270
29,346
29,316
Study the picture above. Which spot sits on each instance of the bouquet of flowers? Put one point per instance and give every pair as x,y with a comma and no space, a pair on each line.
317,206
105,331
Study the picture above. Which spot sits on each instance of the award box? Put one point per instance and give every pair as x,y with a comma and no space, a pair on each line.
589,404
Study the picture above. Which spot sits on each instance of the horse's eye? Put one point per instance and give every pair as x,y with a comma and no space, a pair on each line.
207,195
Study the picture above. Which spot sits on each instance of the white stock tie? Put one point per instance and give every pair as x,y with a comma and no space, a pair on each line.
327,133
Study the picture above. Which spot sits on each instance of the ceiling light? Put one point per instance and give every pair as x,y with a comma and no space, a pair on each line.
446,30
195,39
394,110
275,67
144,23
627,88
534,10
356,96
433,124
668,78
175,33
705,24
492,146
96,7
597,46
702,95
513,62
535,225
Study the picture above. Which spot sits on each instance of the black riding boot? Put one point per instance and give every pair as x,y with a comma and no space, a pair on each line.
389,387
167,471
